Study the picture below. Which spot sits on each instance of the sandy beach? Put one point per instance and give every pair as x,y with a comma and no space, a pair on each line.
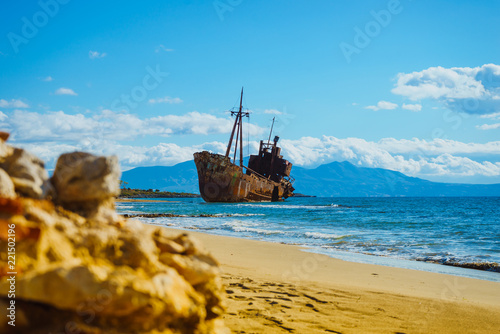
276,288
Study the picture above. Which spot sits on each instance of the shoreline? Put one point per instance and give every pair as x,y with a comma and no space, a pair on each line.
456,269
219,245
487,271
279,288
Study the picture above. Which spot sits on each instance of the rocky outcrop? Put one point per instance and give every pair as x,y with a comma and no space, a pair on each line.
7,189
25,170
81,269
87,184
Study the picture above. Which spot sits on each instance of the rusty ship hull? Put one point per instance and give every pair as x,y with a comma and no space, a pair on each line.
222,181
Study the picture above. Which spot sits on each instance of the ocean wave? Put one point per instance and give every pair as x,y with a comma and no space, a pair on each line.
203,215
240,226
411,254
255,230
487,266
129,212
121,206
291,206
320,235
245,214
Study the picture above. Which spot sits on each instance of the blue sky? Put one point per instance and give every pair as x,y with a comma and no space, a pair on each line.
412,86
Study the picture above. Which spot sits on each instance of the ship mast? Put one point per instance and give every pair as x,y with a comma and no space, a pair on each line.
271,132
238,127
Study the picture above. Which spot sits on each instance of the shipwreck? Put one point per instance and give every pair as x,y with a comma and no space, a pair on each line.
265,179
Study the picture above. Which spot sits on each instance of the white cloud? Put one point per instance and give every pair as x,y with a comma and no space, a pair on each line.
53,126
494,115
107,132
488,126
166,99
272,112
306,151
161,47
48,79
412,107
473,90
65,91
130,156
198,123
383,105
13,104
164,153
414,157
96,54
109,125
193,123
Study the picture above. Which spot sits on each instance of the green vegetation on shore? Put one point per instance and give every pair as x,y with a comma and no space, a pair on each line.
150,193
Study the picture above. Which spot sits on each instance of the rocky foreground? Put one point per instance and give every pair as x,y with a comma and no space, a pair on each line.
81,268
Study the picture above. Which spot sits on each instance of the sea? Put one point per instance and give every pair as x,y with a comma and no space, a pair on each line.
433,234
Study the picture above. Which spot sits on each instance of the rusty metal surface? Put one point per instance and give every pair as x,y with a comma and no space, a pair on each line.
222,181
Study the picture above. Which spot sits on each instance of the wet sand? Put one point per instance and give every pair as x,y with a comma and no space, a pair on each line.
276,288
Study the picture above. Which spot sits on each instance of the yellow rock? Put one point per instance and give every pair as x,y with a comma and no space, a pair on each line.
7,189
104,277
82,268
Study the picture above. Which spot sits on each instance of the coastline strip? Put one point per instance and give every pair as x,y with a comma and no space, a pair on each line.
141,200
277,288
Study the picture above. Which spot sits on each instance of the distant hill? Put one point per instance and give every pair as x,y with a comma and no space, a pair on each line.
343,179
179,178
337,179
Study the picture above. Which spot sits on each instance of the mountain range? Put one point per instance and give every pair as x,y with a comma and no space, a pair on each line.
337,179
